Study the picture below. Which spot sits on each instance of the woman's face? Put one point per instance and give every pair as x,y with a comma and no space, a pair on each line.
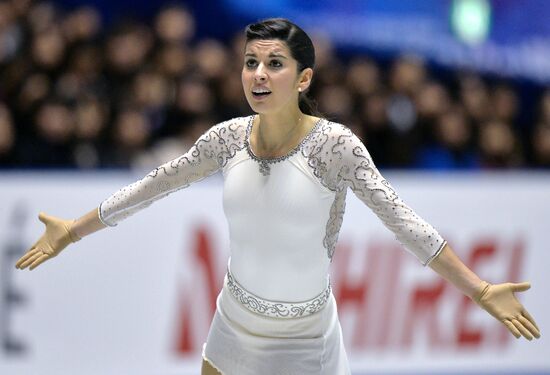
270,76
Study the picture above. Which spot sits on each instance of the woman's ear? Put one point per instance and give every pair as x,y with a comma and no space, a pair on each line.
305,79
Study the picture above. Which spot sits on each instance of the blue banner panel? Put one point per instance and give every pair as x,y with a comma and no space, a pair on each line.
506,37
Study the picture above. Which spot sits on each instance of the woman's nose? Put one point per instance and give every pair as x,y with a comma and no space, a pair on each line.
259,74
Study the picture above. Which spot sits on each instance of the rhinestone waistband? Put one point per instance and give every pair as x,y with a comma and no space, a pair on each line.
275,309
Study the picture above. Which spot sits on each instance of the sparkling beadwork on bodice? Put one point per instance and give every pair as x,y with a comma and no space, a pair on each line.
265,163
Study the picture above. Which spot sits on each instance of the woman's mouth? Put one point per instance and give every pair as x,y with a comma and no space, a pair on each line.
260,93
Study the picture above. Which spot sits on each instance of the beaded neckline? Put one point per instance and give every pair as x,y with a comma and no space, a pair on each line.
264,162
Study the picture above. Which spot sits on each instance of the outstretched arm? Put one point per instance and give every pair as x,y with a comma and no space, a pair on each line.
498,300
209,153
87,224
197,163
58,235
420,238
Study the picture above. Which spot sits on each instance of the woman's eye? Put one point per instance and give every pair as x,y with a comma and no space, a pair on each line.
250,63
253,63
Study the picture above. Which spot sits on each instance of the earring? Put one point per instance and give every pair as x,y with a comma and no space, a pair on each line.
299,89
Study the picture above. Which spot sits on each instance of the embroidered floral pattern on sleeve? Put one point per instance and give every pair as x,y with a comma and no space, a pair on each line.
340,160
208,155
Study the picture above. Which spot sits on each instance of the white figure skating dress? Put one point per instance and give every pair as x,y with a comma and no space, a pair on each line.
276,313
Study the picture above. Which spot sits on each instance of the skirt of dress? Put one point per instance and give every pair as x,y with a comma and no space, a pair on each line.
241,342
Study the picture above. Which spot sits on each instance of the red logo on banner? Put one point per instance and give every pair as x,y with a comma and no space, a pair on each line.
385,301
202,255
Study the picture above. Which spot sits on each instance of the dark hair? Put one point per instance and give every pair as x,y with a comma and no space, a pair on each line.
298,42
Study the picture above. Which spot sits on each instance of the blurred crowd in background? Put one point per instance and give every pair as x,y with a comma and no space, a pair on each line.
75,93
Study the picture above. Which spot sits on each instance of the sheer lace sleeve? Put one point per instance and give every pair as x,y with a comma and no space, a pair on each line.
358,172
209,153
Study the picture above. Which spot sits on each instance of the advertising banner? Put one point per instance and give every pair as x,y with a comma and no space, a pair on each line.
138,298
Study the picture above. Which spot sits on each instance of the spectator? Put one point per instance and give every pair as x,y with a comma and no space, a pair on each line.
41,16
132,135
174,25
34,89
51,143
91,117
499,147
377,130
83,25
505,103
194,97
211,59
541,145
335,102
151,95
127,49
432,100
231,105
363,77
452,147
544,115
11,33
475,98
172,60
7,138
407,75
170,148
48,51
83,75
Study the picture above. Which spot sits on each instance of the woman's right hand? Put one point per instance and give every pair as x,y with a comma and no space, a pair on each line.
56,237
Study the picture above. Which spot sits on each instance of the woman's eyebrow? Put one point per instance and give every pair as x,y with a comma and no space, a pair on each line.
270,55
277,55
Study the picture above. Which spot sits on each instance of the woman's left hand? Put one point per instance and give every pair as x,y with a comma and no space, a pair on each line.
500,301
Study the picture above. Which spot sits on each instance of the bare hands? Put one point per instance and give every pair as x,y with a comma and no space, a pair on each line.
55,238
500,301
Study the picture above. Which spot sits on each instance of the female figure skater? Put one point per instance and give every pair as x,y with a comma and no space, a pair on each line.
286,173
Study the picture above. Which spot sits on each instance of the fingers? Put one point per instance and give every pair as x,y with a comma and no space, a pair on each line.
522,327
530,319
39,261
530,327
524,331
521,287
34,258
25,257
36,254
512,328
